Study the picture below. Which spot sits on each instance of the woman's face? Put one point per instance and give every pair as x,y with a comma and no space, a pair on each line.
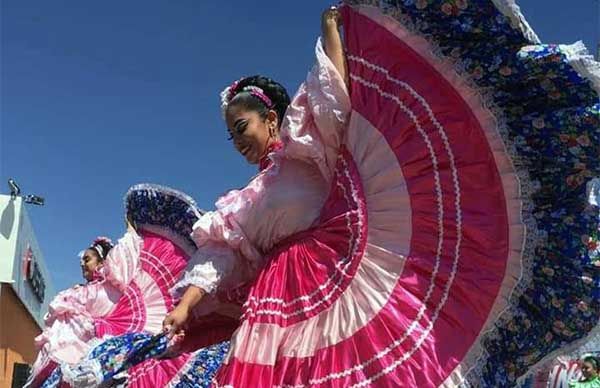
251,134
89,263
588,370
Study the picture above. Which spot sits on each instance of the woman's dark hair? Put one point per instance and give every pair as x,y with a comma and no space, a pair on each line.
594,361
274,90
101,246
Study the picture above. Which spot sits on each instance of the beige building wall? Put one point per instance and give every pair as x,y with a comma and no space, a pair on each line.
17,331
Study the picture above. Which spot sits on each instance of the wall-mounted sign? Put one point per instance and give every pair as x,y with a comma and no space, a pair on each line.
33,275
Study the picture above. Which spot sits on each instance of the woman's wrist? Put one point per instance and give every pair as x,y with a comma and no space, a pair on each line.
330,27
191,297
183,307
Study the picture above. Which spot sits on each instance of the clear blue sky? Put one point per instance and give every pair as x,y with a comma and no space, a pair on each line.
99,95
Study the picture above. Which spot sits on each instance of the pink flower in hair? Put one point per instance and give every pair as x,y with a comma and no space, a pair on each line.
233,87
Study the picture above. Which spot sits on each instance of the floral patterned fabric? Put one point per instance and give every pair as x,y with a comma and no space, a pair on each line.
549,117
116,355
119,353
113,356
162,207
109,358
53,380
203,366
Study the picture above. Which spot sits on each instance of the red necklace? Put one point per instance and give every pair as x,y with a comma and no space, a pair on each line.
265,161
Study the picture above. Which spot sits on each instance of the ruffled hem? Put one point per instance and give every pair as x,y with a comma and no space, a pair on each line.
200,368
64,342
72,302
519,271
515,180
86,374
164,209
511,10
579,58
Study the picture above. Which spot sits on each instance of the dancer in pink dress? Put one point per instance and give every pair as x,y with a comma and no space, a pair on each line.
383,241
126,292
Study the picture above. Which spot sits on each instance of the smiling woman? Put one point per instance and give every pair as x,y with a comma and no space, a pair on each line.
423,214
254,108
383,241
92,258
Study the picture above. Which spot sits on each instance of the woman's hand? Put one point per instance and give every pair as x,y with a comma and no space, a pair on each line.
175,321
331,21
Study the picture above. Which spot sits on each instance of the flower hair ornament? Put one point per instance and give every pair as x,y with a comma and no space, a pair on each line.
232,90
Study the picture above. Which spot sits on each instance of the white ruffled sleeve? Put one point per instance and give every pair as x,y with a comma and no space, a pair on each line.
317,117
71,302
222,243
122,262
69,325
206,268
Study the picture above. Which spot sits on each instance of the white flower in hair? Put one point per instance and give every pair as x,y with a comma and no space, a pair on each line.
226,96
225,100
253,88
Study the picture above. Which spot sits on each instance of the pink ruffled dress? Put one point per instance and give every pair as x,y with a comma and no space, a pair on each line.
128,294
280,252
369,251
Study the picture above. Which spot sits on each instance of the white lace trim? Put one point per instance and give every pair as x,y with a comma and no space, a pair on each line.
151,187
584,63
204,276
86,374
511,10
206,269
593,192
